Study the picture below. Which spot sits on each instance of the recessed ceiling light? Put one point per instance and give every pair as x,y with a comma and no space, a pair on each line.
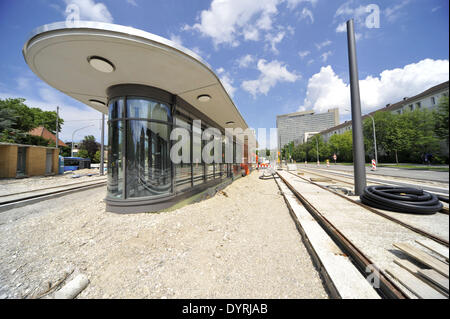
96,103
203,98
229,122
101,64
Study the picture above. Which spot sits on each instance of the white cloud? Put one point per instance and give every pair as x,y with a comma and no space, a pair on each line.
350,10
292,4
392,13
132,2
326,90
176,39
226,20
274,40
325,43
228,84
306,13
245,61
251,33
304,54
271,73
226,80
89,10
342,27
435,9
325,56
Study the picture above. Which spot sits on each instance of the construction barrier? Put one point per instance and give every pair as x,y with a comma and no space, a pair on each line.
374,165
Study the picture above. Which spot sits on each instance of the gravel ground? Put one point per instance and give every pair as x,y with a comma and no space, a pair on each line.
13,185
241,243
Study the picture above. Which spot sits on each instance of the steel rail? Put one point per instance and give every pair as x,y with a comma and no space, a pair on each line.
444,210
387,289
395,183
373,210
45,188
24,201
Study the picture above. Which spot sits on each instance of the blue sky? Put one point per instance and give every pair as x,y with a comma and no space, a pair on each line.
273,56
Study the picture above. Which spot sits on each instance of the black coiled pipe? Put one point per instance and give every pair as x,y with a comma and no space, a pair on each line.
401,199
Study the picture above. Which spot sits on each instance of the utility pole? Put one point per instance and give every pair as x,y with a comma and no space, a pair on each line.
102,160
57,124
359,165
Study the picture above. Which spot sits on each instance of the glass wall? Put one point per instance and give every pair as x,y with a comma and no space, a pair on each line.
197,163
139,164
183,171
115,149
139,145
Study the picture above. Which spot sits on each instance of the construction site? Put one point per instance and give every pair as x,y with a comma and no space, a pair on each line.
302,234
184,200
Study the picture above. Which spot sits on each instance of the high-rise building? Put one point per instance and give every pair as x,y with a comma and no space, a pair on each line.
296,127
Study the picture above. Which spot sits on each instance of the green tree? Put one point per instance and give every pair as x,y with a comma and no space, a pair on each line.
90,146
83,153
441,119
342,145
97,156
17,119
417,134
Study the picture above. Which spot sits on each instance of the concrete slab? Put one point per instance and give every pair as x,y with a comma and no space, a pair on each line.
370,233
342,275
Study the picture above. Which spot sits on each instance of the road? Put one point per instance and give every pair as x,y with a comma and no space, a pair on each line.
425,175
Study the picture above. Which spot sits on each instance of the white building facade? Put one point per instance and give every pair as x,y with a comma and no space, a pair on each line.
428,99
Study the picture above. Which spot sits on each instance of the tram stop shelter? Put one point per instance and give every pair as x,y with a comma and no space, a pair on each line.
147,85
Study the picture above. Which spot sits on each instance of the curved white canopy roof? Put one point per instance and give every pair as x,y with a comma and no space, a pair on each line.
58,54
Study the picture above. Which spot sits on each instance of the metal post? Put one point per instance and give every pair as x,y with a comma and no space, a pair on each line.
317,143
102,159
374,139
359,167
57,124
73,133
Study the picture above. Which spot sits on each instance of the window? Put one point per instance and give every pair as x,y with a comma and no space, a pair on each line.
115,149
183,171
197,164
433,100
139,160
418,105
411,107
148,166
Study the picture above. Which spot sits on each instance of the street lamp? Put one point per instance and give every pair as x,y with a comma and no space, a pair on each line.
374,139
317,144
73,133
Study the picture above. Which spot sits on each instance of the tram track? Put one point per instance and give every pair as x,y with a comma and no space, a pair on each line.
380,213
444,210
387,288
30,198
436,190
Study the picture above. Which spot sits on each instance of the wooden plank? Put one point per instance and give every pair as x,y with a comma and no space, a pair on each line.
414,284
348,282
424,258
409,266
429,276
439,249
436,278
